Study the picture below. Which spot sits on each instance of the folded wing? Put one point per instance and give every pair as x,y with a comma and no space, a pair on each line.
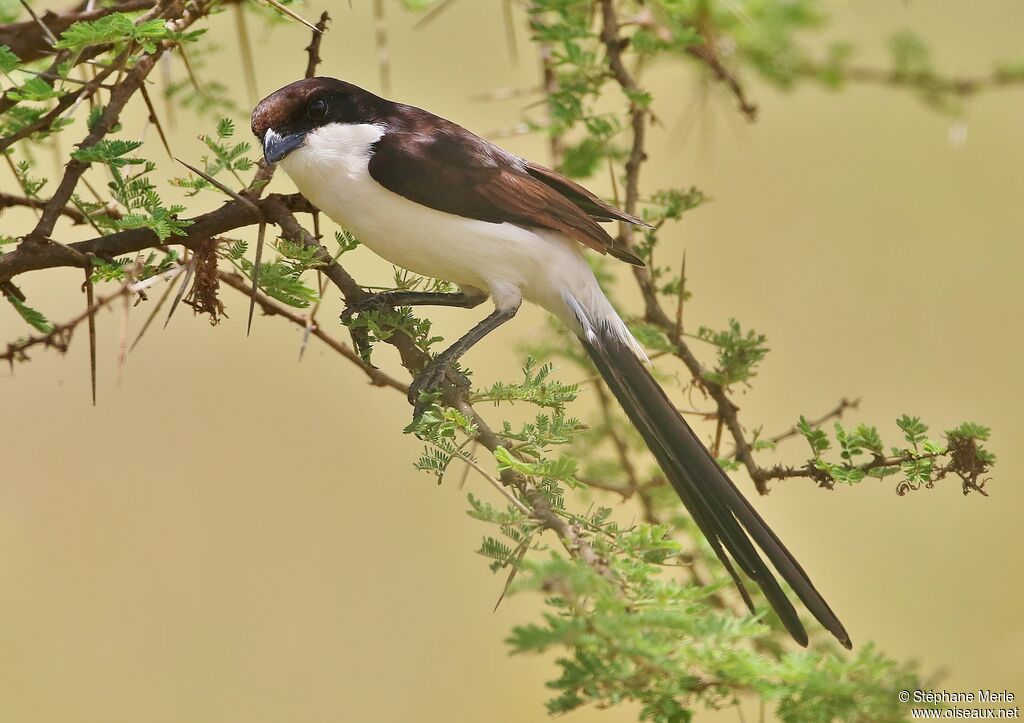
451,170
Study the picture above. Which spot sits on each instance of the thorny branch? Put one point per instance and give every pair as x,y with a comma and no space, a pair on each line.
248,208
27,40
39,251
706,54
836,412
59,337
654,312
8,200
273,308
727,411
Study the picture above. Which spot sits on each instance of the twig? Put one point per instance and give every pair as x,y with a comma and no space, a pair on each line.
155,120
28,42
9,201
285,10
50,37
834,413
156,309
245,48
809,470
383,51
232,215
59,337
510,31
654,313
189,271
313,49
681,297
260,238
497,485
126,88
91,316
66,101
707,55
433,13
274,308
570,535
964,86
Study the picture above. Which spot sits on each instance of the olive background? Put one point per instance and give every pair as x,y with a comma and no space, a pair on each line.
232,535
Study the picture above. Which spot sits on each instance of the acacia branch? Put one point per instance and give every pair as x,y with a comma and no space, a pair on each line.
836,412
64,103
280,211
655,314
119,97
313,49
963,86
8,200
826,480
59,337
232,215
28,41
707,54
271,307
414,360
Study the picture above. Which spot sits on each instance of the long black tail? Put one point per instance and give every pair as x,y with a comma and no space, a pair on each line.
725,517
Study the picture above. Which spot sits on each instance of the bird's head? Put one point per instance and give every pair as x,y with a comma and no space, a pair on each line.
283,120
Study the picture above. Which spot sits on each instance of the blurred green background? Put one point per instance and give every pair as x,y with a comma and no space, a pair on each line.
231,535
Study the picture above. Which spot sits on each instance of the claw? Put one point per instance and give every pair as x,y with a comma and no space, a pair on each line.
361,343
430,379
375,302
360,336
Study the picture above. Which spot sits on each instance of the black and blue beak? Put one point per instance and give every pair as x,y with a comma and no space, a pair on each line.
277,146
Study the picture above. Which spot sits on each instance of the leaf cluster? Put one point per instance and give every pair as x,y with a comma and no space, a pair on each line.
119,28
919,460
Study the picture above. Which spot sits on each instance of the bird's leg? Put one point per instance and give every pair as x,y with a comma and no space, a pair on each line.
433,375
392,299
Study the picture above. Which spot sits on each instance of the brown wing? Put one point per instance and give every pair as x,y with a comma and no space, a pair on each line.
580,196
447,168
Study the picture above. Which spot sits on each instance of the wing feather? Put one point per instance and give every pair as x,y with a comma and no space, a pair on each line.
445,167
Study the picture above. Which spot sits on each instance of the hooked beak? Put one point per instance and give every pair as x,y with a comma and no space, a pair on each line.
276,146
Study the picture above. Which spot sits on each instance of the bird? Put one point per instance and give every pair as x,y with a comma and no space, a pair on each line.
434,198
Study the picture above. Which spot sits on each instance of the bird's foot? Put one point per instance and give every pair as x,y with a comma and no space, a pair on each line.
430,383
359,333
374,302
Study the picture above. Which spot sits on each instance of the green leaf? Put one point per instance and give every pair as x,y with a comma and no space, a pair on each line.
8,60
581,160
914,430
35,318
561,469
346,241
35,89
108,29
814,436
972,430
115,28
739,353
281,283
109,151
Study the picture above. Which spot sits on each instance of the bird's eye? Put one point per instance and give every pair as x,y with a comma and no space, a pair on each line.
317,109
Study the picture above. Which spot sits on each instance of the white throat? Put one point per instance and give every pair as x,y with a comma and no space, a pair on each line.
333,148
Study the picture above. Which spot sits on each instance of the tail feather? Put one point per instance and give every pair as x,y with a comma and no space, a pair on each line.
731,525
